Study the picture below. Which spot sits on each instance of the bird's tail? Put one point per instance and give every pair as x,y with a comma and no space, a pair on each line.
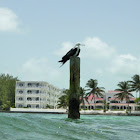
62,61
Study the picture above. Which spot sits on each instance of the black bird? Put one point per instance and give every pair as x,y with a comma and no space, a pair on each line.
73,52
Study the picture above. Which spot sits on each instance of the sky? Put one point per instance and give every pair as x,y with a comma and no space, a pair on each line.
34,35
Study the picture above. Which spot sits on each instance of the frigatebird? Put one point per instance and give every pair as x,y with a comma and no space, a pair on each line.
73,52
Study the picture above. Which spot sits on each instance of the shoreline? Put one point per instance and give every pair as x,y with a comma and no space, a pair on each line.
106,114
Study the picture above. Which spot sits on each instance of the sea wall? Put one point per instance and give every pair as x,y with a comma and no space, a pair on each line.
39,110
64,111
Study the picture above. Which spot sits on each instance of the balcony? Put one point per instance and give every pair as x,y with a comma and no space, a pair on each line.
18,94
20,87
32,102
19,101
122,104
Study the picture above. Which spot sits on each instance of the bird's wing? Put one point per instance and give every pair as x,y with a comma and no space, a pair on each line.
78,52
70,53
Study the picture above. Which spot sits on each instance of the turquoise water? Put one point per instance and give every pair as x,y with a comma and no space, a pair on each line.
22,126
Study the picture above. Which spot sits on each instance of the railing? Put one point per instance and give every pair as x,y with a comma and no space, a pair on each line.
32,102
35,94
122,104
19,101
19,94
31,87
31,93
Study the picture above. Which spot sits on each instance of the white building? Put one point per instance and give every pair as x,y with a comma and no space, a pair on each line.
36,94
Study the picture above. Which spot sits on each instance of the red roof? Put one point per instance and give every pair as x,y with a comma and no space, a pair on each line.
133,99
96,98
113,99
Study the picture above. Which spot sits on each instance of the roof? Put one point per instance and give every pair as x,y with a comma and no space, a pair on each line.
96,98
113,99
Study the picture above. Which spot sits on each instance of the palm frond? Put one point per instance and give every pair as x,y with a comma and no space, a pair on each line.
124,91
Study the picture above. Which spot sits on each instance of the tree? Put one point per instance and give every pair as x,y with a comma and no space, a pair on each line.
137,101
7,91
105,105
135,84
124,92
64,99
94,90
83,96
48,106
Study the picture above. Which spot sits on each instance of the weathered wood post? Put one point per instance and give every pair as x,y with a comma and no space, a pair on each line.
74,100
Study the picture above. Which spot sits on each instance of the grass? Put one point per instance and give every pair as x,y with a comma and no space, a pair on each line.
117,110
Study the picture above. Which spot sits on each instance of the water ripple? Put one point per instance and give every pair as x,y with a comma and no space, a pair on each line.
17,126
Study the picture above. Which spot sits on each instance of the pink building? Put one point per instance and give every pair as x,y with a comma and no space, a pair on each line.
92,103
109,99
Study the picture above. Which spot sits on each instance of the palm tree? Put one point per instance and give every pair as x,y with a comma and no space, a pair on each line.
64,100
135,84
83,96
124,91
105,104
94,89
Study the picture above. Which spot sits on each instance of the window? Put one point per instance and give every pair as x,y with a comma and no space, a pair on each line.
29,99
20,105
37,99
29,91
109,98
29,84
99,101
37,84
20,91
113,101
29,105
37,106
20,98
21,84
37,91
131,102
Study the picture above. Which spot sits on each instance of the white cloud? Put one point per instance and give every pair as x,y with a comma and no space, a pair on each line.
128,57
39,69
95,48
8,20
125,65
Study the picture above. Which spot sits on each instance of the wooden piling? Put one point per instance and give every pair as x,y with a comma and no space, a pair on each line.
74,100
